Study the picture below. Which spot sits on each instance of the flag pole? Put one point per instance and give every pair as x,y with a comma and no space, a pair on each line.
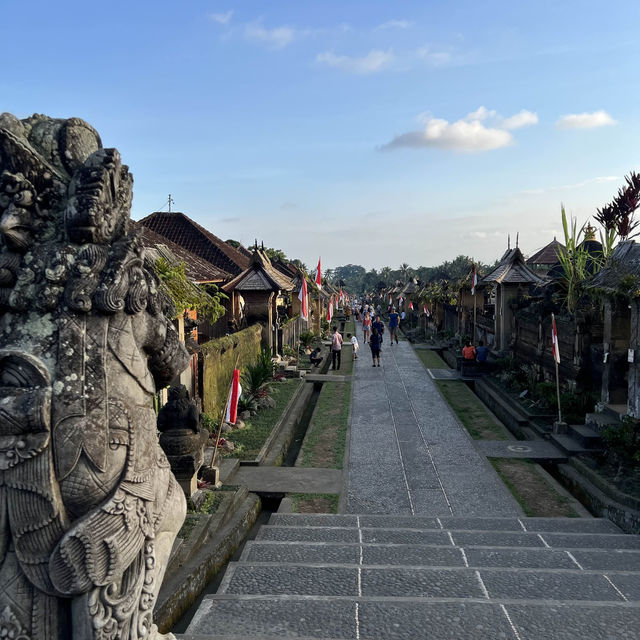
224,413
473,338
555,359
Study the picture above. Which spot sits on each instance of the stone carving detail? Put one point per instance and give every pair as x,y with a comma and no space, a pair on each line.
182,438
89,508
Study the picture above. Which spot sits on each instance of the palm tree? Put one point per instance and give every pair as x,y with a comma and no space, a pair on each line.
406,271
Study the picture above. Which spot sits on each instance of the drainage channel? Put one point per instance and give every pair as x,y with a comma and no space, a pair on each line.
270,502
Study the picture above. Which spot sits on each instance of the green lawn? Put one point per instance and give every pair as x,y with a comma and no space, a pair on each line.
249,440
534,493
430,359
314,502
325,442
480,424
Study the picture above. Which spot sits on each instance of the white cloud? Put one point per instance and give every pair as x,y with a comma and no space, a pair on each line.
276,38
480,130
433,57
221,18
394,24
373,62
585,120
523,119
481,113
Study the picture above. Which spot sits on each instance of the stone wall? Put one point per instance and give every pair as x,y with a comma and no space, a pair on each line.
219,359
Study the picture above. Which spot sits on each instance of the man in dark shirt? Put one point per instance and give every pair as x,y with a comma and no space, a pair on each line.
394,319
482,352
379,326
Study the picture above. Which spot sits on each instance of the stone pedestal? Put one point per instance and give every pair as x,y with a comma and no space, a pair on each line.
560,427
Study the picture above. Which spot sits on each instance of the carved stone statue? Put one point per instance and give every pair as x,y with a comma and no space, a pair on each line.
89,508
182,438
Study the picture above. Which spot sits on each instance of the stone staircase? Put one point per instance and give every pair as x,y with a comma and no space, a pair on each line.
379,577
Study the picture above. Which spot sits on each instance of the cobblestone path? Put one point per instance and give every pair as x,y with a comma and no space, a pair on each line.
408,452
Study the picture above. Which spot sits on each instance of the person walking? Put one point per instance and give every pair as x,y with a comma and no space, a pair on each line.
366,327
336,348
394,319
379,325
354,344
375,343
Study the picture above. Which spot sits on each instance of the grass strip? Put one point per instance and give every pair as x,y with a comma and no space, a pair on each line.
325,443
249,441
480,424
314,502
430,359
536,496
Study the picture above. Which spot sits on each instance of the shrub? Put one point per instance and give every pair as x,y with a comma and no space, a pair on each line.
247,402
623,444
307,338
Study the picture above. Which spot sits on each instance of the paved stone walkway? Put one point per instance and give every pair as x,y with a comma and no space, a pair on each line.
289,479
408,452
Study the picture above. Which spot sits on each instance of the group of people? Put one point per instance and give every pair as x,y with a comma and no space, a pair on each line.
373,332
479,353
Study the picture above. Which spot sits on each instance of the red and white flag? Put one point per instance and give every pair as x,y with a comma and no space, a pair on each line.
330,310
304,300
474,280
555,345
410,305
341,297
426,312
390,300
400,300
234,396
319,275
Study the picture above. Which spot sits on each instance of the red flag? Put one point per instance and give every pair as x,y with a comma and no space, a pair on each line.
234,395
410,305
319,275
330,310
390,300
474,280
555,345
304,300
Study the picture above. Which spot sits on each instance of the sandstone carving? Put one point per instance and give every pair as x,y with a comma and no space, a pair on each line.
182,438
88,505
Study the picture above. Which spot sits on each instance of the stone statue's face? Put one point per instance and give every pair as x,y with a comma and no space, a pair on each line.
16,221
100,195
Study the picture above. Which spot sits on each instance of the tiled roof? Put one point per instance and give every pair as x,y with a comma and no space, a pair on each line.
196,269
547,255
179,228
512,269
624,262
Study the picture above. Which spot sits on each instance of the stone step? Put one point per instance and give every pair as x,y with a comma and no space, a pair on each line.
568,445
566,525
600,421
411,618
440,556
585,436
471,538
429,582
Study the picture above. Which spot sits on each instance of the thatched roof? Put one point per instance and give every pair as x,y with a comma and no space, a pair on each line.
622,273
511,270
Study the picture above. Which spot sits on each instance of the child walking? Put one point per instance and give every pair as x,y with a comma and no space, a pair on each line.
355,345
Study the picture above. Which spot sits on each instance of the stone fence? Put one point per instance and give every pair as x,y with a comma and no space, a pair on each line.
219,357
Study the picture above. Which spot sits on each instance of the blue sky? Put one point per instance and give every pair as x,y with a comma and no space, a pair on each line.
366,132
